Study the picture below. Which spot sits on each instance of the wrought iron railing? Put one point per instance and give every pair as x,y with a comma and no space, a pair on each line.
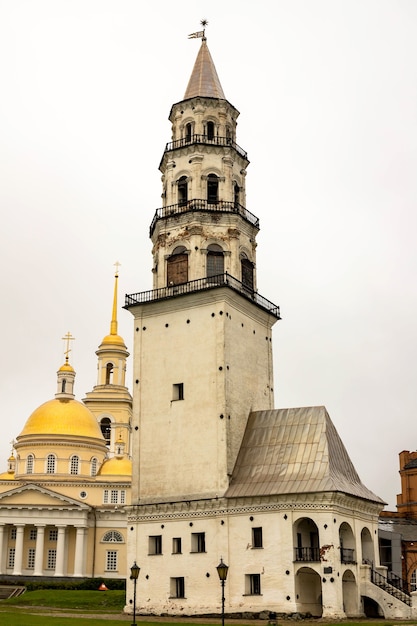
205,139
347,555
307,554
212,282
394,585
203,205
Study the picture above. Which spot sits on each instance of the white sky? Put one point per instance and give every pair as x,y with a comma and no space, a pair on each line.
327,92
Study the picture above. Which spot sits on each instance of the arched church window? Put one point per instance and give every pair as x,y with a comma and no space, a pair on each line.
113,536
105,425
64,384
109,373
247,272
177,267
74,464
212,189
413,581
215,260
29,464
51,464
93,468
210,130
188,132
182,191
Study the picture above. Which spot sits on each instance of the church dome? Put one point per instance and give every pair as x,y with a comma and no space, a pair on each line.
62,416
66,368
116,467
113,339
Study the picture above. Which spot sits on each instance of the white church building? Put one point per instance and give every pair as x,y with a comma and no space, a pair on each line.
218,472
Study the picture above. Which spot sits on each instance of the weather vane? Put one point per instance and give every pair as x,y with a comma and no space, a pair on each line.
200,33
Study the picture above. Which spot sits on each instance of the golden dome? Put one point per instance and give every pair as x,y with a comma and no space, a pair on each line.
116,467
113,339
7,476
62,416
66,368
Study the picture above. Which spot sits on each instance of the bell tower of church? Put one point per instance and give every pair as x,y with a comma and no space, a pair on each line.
203,351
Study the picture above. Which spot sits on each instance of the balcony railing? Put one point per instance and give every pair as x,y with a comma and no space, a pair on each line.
205,139
202,284
347,555
203,205
307,554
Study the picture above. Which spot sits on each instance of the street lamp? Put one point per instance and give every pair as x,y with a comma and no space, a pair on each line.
134,574
222,570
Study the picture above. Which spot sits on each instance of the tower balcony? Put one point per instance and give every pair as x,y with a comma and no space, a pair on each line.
207,141
187,206
202,284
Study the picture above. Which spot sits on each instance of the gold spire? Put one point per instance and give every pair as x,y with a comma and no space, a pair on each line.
113,323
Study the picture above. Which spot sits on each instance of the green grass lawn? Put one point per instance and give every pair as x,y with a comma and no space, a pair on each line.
94,601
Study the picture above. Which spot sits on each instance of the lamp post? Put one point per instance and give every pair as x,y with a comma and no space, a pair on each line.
222,570
134,574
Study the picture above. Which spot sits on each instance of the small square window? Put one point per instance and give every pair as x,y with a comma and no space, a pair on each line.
13,532
155,544
198,542
178,391
51,560
33,532
257,538
177,589
53,534
253,584
176,545
11,555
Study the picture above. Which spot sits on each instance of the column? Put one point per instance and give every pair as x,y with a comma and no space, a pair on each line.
79,551
18,555
2,571
39,549
60,551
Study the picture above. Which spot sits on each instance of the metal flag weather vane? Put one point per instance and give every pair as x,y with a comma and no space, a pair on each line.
199,33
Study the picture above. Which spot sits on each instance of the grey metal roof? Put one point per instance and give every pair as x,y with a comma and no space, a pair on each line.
204,80
294,451
407,528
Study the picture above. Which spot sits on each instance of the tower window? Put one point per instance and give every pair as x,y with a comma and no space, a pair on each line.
212,189
215,260
178,391
64,384
109,373
177,588
188,132
198,542
93,469
105,425
176,545
29,464
74,464
177,267
210,130
257,538
247,272
155,544
50,464
182,191
236,193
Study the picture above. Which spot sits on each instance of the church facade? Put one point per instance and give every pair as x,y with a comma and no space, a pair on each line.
219,475
62,498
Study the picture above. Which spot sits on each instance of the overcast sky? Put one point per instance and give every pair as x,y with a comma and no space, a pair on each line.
327,92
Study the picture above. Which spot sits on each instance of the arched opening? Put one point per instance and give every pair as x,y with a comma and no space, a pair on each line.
50,464
93,468
109,373
64,384
105,426
188,132
182,191
29,464
177,267
212,189
371,608
236,194
350,594
215,260
308,592
210,130
367,544
347,544
74,465
306,541
247,272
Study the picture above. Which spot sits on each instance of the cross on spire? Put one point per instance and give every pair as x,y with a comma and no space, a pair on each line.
68,337
117,265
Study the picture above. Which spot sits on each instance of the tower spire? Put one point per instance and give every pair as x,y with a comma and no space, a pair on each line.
113,323
204,80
